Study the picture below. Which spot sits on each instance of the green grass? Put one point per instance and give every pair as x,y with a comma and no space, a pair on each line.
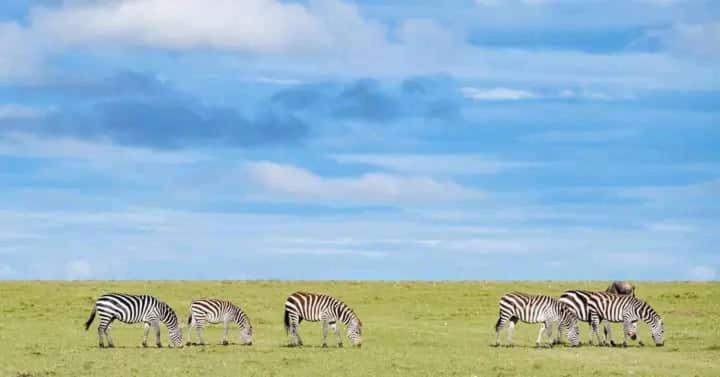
411,329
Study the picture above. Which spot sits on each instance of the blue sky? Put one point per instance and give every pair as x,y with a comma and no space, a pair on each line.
326,139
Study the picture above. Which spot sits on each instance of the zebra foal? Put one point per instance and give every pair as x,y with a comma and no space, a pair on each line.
216,311
328,310
134,309
595,307
541,309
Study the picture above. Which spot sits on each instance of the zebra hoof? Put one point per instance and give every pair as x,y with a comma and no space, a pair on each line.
641,344
225,343
144,345
248,344
111,345
159,345
537,345
101,345
324,345
188,344
612,343
624,345
340,345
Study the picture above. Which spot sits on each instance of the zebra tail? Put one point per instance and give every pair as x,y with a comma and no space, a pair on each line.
287,322
497,324
190,318
91,319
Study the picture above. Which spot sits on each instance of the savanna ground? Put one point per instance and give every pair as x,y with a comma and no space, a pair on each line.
411,329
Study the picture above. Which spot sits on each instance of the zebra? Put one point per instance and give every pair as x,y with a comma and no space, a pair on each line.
594,307
216,311
546,310
328,310
134,309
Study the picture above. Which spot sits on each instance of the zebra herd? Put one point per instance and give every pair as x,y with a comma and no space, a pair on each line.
149,310
617,304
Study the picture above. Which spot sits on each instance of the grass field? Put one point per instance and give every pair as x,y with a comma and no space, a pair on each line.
411,329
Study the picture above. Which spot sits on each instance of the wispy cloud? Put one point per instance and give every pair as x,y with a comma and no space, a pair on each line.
11,111
496,94
287,182
443,164
28,145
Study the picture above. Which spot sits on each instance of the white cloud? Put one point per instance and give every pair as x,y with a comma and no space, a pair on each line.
703,273
20,57
25,145
508,94
78,269
663,194
496,94
11,111
594,136
291,182
435,164
251,25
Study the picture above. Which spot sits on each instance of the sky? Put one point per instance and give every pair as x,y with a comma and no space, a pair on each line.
329,139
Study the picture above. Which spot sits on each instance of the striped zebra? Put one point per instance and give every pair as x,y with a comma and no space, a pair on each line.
595,307
134,309
328,310
546,310
216,311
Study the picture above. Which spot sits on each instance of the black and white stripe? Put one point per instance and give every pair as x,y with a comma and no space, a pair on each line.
134,309
217,311
595,307
314,307
546,310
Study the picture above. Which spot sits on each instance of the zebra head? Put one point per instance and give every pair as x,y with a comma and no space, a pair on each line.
354,331
246,334
569,322
658,331
650,316
169,318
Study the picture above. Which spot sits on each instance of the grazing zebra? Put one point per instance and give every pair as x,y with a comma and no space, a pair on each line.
594,307
134,309
533,309
314,307
216,311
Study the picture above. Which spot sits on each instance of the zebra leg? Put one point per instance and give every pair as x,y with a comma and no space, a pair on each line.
156,326
324,332
335,328
190,330
540,334
296,333
101,341
498,328
511,328
199,328
608,334
548,332
109,338
146,330
225,333
595,323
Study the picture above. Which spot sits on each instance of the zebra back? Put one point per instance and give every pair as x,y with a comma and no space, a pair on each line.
535,308
219,308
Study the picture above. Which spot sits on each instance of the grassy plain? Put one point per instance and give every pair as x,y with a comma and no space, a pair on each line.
411,329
